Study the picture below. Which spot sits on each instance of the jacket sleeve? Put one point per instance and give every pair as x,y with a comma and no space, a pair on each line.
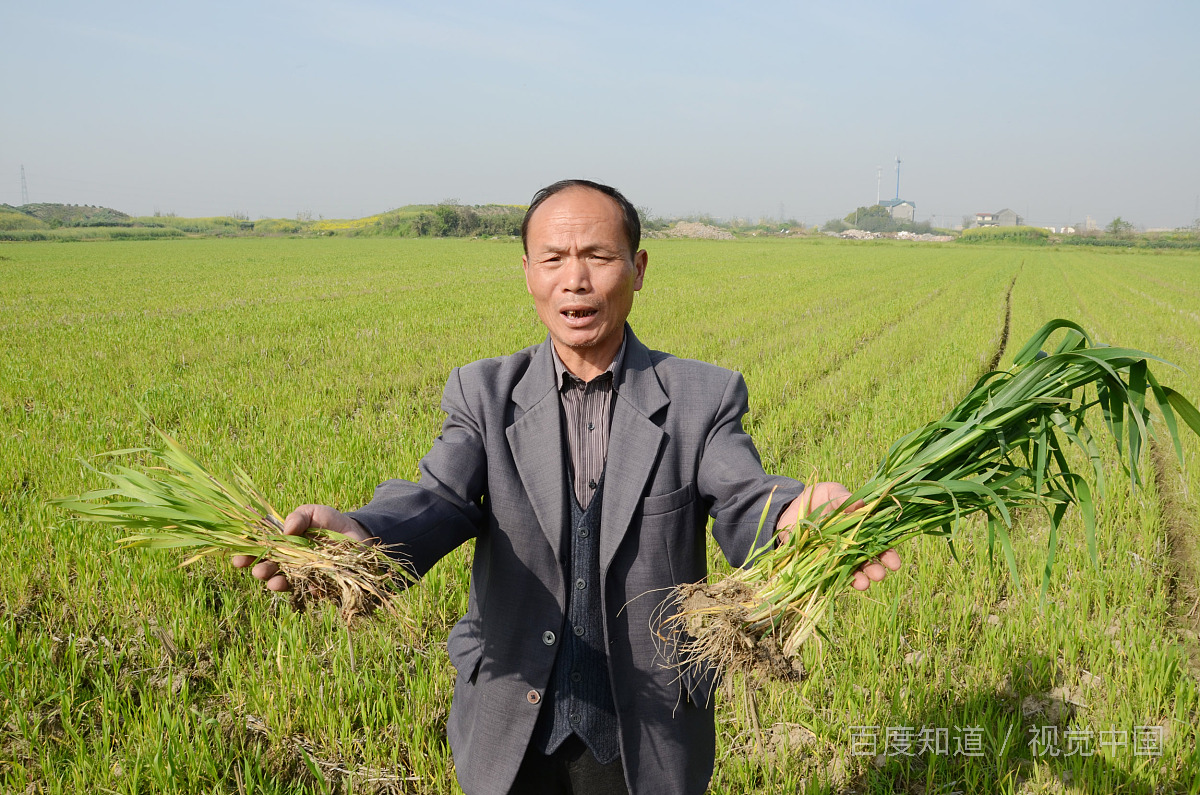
732,479
428,519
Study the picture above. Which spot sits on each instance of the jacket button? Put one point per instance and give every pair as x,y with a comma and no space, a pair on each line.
533,696
548,639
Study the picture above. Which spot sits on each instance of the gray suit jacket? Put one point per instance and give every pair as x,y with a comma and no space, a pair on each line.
677,454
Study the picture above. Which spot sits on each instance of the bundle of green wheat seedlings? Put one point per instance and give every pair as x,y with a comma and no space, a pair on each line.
180,504
1000,449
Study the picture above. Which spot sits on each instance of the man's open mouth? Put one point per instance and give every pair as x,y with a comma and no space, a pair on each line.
579,312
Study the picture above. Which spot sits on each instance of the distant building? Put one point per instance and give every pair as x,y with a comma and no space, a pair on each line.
1005,217
900,209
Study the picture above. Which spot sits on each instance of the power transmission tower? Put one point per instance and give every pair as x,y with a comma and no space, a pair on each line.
24,188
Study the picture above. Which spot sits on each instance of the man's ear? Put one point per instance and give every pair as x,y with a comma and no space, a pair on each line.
640,260
525,267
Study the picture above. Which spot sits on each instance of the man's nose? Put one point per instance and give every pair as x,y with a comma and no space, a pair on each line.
577,276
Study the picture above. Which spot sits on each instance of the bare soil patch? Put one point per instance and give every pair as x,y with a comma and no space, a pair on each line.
709,628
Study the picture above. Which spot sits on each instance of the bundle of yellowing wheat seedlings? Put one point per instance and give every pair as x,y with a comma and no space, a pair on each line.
180,504
1000,449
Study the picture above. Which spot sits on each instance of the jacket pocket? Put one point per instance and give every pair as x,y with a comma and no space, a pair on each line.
671,501
465,650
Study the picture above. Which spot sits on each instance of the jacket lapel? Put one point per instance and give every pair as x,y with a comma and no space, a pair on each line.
536,441
634,440
633,445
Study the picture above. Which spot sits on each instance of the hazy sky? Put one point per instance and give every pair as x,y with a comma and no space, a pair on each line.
1056,110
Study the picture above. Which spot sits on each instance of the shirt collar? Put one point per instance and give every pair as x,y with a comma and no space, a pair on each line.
564,377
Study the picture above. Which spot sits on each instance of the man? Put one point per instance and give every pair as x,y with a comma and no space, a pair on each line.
586,468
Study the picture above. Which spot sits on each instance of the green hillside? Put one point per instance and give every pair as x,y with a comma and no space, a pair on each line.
11,218
55,215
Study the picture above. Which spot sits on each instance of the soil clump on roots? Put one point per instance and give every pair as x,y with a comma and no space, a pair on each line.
710,629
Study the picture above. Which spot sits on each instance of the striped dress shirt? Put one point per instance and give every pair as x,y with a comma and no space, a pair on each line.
587,408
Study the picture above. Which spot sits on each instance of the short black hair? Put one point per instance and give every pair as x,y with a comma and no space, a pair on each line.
629,214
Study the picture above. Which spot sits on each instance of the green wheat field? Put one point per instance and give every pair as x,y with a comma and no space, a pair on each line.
318,364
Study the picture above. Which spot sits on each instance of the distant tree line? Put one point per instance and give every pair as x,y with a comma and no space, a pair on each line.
450,219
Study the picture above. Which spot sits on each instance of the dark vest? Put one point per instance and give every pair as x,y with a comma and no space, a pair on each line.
579,697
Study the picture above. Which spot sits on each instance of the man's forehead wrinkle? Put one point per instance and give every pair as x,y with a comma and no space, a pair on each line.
565,241
566,247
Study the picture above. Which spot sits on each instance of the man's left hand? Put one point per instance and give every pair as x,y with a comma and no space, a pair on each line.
828,497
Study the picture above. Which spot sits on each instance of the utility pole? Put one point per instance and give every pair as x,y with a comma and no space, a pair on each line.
897,178
24,188
878,181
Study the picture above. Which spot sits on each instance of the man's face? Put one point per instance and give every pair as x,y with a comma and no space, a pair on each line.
580,271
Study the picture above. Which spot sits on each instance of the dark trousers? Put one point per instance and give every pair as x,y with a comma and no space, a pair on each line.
571,770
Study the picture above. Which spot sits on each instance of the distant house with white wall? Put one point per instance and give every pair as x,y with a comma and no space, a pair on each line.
900,209
1005,217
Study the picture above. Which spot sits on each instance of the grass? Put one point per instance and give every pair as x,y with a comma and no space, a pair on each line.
1001,449
318,366
179,504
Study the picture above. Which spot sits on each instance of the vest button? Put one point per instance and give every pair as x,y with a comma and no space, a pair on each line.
579,630
576,677
580,584
575,718
548,639
533,696
583,532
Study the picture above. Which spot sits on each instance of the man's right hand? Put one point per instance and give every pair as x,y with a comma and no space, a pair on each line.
298,523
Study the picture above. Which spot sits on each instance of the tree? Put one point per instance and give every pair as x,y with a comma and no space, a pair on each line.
875,218
648,220
1119,227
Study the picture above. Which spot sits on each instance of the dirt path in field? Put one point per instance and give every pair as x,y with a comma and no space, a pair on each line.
1184,551
994,362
